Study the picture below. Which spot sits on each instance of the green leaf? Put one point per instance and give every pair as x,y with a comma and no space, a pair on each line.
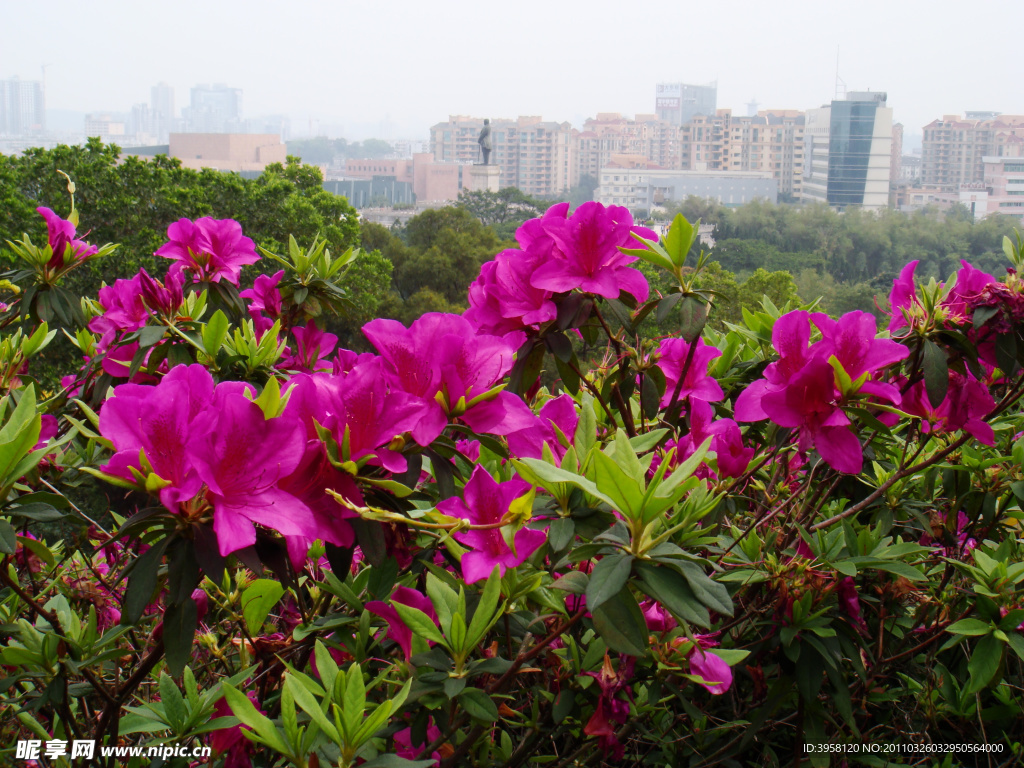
984,663
174,704
970,627
714,595
419,623
258,600
693,314
608,578
574,582
394,761
485,614
672,590
247,713
625,492
214,333
621,624
8,538
180,621
936,372
478,705
680,238
142,582
561,533
546,473
308,704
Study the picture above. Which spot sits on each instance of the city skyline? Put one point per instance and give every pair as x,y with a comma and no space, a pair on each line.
396,74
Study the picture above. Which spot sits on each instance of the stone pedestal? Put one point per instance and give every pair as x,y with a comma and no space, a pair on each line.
484,178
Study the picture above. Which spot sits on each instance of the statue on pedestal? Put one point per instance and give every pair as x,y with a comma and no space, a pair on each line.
485,141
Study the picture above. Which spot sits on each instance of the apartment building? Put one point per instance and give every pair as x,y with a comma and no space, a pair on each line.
536,156
953,149
772,141
610,134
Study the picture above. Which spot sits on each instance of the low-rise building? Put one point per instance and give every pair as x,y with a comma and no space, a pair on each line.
228,151
645,188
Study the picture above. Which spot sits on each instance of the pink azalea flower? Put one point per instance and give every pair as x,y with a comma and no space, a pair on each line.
164,299
970,284
849,601
313,348
903,296
230,741
443,361
808,402
241,460
211,249
397,629
697,384
61,236
359,409
852,340
161,421
586,255
408,750
611,709
123,310
967,403
713,669
502,298
486,503
657,618
558,413
264,295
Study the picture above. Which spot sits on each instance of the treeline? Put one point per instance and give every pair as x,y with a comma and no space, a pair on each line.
848,258
784,252
324,151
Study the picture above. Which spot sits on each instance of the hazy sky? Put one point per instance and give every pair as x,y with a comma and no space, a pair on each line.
395,67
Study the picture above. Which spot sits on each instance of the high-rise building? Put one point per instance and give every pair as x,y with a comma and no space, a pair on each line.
22,107
953,150
848,152
161,109
214,109
678,103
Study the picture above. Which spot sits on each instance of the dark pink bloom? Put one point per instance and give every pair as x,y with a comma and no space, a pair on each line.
852,339
164,299
808,402
359,409
611,710
502,298
849,601
966,405
586,255
409,751
264,295
443,361
61,236
161,421
970,284
313,349
397,629
123,310
211,249
713,669
557,415
658,619
903,296
241,460
230,740
486,503
697,383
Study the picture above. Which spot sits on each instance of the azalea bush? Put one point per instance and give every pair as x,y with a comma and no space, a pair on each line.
471,548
